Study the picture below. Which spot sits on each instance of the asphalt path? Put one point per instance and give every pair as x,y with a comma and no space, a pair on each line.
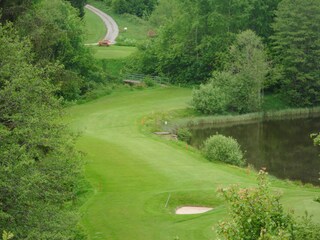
111,25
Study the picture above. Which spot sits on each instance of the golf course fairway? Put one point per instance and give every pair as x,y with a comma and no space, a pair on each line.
139,179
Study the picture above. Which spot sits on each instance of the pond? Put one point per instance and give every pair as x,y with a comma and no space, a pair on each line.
284,147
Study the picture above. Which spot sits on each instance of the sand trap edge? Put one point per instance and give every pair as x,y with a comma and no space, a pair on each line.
192,210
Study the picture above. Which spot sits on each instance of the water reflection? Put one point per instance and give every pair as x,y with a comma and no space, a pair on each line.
284,147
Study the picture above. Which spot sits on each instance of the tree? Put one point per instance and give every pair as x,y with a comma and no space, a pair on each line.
247,61
166,11
195,41
12,9
40,168
139,8
185,49
239,87
79,4
262,16
58,38
296,51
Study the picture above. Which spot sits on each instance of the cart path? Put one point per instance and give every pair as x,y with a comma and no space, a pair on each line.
111,25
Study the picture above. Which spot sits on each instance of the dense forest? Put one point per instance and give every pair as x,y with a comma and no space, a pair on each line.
195,39
43,63
232,52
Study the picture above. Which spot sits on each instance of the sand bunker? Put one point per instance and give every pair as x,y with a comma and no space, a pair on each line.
192,210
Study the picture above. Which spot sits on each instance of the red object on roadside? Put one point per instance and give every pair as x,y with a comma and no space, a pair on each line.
105,42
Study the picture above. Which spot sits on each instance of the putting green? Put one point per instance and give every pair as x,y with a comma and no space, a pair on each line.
135,174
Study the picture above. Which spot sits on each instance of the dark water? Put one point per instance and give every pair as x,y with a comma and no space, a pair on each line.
284,147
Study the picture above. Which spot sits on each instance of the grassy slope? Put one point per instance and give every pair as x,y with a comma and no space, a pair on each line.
94,27
137,29
112,52
112,58
133,172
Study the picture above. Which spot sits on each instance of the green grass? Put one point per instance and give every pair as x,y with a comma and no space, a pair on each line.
95,31
113,66
94,28
137,28
273,102
133,172
112,52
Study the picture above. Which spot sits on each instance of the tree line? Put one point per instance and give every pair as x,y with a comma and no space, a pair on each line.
55,30
139,8
194,38
43,63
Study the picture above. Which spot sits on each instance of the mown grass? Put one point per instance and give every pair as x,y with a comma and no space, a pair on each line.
112,52
95,31
94,27
113,67
137,29
112,59
133,172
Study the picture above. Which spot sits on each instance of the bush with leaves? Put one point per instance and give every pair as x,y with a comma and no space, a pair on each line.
213,97
184,134
257,214
149,81
40,167
225,149
238,88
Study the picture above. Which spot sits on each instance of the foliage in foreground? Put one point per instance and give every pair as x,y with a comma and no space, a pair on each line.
238,88
40,168
257,214
225,149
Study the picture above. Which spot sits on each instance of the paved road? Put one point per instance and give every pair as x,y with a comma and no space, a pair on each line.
111,25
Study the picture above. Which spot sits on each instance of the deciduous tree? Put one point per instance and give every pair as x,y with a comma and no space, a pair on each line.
40,168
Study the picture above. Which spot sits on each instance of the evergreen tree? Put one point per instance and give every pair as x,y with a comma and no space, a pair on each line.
296,49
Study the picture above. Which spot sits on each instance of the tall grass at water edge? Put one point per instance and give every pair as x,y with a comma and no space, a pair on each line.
285,114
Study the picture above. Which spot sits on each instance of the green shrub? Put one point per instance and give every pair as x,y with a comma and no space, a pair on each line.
225,149
184,134
149,81
257,214
211,98
238,88
305,228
